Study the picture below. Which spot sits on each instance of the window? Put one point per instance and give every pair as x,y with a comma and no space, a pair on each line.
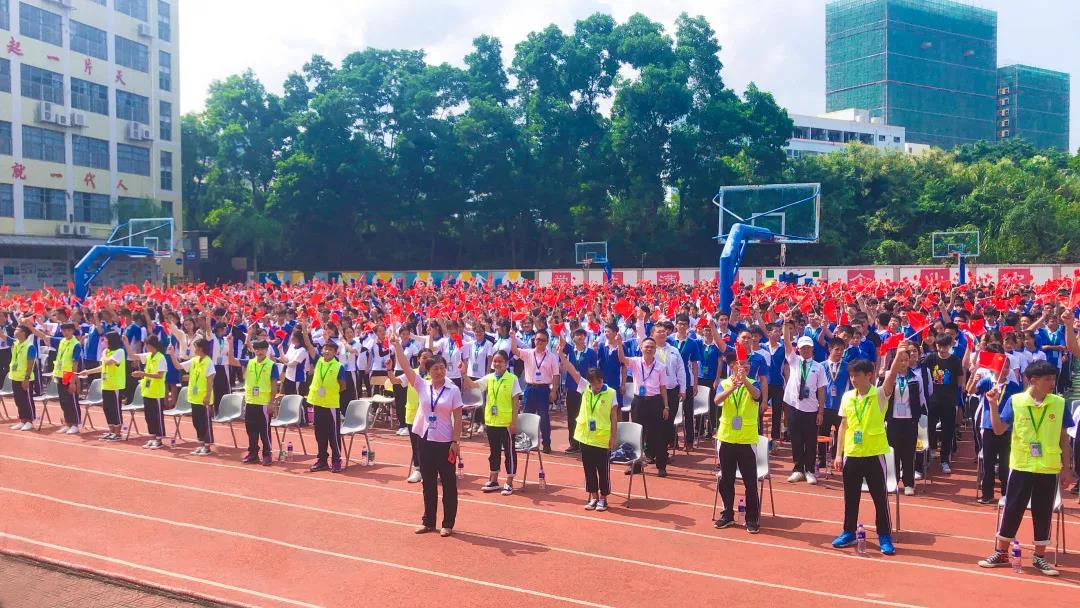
166,170
89,96
135,8
5,137
5,75
133,159
40,24
881,138
131,54
5,17
89,40
165,120
166,208
43,144
42,84
130,106
164,21
89,152
44,204
91,208
896,139
164,71
7,200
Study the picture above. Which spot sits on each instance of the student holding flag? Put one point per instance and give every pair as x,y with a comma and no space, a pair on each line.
993,374
68,351
737,437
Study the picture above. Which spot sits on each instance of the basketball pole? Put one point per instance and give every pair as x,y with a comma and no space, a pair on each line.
962,262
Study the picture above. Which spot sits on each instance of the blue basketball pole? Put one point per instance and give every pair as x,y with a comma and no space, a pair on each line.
963,269
86,270
731,258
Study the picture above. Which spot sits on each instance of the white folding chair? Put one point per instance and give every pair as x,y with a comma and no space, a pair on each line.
701,410
1059,539
471,399
5,392
137,405
628,398
923,439
289,416
384,408
891,486
761,455
356,423
93,399
634,434
230,410
181,408
52,393
530,425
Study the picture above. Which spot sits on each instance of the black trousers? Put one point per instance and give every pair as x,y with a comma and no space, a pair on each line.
1038,488
741,456
327,433
776,405
995,451
400,396
714,410
803,430
573,406
903,433
222,384
648,412
830,424
129,388
435,468
363,384
5,363
597,469
669,424
69,403
414,442
153,412
944,411
872,470
202,418
688,417
501,447
110,402
24,400
257,422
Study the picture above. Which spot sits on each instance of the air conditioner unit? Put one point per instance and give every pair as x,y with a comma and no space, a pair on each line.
45,112
1003,91
63,119
134,131
145,31
65,230
145,133
1004,132
78,119
82,230
1005,122
1004,101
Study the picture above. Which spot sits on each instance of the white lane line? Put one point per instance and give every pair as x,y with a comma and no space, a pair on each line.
168,573
315,550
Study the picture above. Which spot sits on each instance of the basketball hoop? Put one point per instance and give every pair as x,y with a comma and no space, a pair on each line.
587,262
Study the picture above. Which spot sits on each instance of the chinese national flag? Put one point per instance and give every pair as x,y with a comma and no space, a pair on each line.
916,319
740,352
977,327
1074,299
892,342
557,328
623,308
828,310
994,362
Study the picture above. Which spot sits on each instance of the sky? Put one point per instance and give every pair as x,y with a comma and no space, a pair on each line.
778,44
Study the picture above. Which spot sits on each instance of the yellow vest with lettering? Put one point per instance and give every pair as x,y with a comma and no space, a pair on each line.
500,400
258,382
871,424
198,386
595,408
65,361
741,404
20,369
325,391
1048,416
153,388
412,400
113,377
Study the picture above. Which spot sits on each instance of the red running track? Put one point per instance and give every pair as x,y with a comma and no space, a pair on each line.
282,536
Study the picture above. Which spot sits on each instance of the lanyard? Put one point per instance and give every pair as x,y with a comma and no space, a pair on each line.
681,344
592,403
644,376
738,397
325,369
578,357
1042,418
901,383
495,388
540,363
259,369
434,400
859,413
833,371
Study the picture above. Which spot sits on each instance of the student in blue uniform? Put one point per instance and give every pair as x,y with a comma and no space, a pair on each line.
582,358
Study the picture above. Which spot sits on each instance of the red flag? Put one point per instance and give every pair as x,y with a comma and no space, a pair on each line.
1074,300
977,327
916,319
457,339
994,362
702,322
594,326
891,342
740,352
557,328
828,310
623,307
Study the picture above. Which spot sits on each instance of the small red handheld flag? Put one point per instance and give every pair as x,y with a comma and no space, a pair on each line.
994,362
892,342
740,352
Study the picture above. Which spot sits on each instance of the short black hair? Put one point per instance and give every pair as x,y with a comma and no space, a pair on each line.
1040,369
681,318
860,366
943,340
260,345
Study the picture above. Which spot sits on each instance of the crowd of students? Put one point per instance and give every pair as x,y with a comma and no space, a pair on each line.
861,363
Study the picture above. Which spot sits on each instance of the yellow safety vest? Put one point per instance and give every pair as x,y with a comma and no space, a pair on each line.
325,391
412,400
864,416
1032,424
500,400
738,404
19,369
198,387
153,388
113,377
594,418
258,382
65,361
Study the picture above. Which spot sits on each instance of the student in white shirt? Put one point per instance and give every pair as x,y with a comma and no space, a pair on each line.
805,399
541,377
411,347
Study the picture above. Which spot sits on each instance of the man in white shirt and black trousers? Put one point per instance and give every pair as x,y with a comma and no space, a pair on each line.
804,395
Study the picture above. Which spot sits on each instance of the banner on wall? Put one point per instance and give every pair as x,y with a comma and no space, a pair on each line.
1021,275
934,274
667,276
855,274
561,278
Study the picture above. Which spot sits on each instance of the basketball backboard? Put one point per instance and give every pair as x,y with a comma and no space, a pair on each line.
948,244
594,252
154,233
791,211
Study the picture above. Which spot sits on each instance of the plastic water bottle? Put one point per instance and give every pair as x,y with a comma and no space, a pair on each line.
860,540
460,467
281,453
371,457
740,515
288,452
172,442
364,458
1014,557
543,479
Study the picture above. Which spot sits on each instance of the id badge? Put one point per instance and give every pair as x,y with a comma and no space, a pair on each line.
194,391
322,392
592,426
832,391
254,391
641,391
858,437
431,421
1036,450
736,423
146,384
537,373
494,410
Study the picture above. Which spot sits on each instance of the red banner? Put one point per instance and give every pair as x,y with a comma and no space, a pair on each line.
934,274
667,276
1022,275
561,278
854,274
617,277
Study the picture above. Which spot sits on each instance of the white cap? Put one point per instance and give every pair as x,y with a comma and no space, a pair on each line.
805,341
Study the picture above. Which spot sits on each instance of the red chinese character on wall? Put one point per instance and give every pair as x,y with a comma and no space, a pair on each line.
120,77
88,179
18,171
120,186
88,65
14,47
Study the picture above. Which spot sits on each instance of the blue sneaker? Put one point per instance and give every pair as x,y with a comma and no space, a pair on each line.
846,539
885,542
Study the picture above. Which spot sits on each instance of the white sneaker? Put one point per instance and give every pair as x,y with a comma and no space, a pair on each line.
811,479
415,477
918,476
402,432
945,468
62,430
16,427
909,491
27,426
73,430
480,430
148,444
795,477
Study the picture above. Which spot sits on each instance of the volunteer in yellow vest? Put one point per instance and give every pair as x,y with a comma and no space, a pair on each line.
327,382
113,372
595,430
200,371
152,384
1039,420
23,356
67,353
862,445
500,417
738,439
260,385
412,403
